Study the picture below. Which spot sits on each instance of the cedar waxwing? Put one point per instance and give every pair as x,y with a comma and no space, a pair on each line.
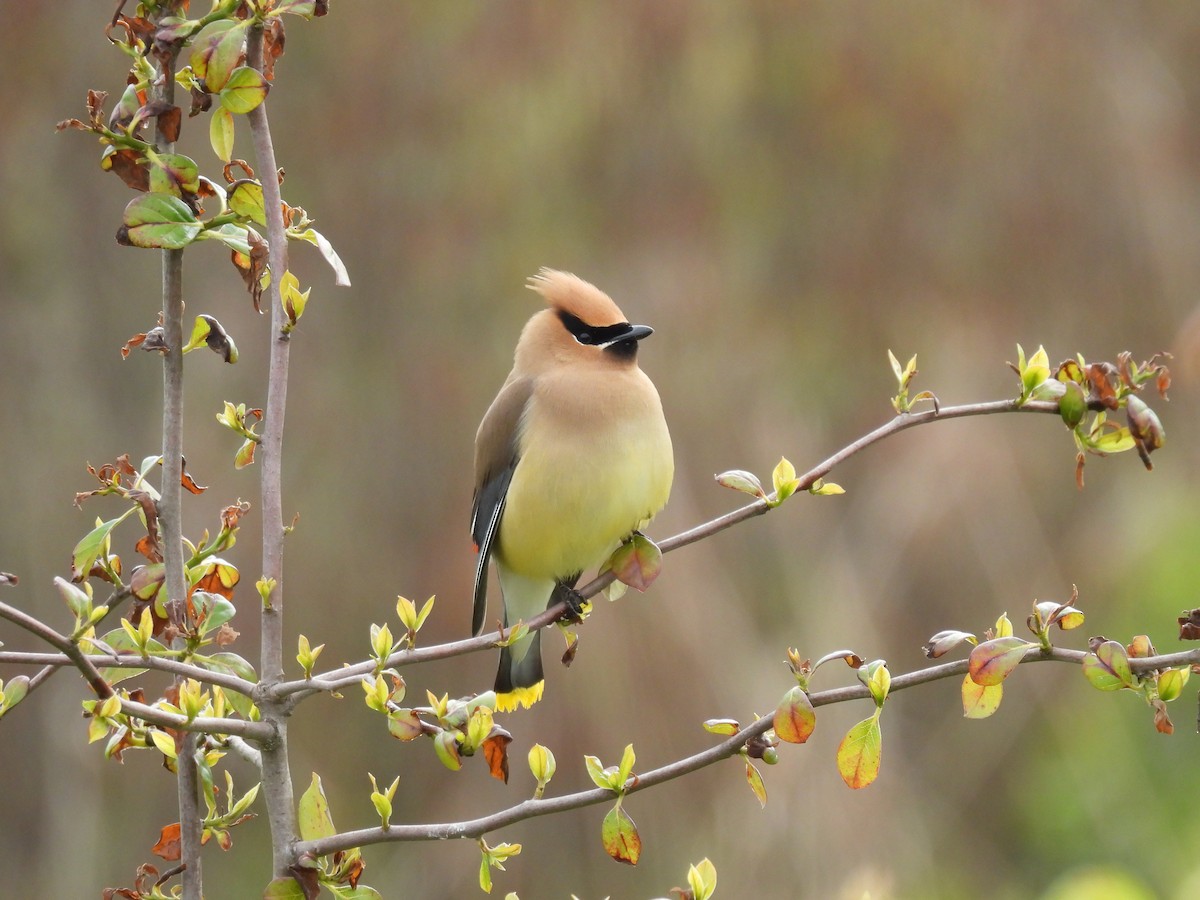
571,458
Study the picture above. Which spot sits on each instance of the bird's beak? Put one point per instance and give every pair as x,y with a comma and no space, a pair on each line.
637,332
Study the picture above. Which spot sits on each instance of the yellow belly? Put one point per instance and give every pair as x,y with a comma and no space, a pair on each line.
570,504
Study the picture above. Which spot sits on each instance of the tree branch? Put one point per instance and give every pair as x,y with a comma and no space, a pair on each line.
338,679
276,772
132,661
528,809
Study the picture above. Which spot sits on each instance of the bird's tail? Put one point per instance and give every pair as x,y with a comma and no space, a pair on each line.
519,682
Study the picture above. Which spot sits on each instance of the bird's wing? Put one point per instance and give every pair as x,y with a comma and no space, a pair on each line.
496,456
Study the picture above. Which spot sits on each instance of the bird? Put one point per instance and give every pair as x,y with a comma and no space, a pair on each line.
572,457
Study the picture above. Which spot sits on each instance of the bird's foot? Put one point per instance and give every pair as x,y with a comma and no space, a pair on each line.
577,606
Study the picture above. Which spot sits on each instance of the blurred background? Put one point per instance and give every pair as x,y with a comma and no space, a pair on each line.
784,191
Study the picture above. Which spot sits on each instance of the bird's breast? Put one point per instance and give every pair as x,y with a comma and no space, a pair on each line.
591,471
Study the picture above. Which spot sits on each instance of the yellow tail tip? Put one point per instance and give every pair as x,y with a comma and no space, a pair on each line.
522,696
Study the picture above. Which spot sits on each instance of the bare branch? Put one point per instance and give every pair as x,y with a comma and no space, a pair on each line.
131,661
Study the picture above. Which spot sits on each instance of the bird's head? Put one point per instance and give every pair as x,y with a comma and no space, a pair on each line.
581,325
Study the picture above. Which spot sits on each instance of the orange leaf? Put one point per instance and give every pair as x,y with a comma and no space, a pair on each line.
168,843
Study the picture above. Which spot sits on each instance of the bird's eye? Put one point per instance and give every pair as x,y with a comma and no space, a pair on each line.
584,337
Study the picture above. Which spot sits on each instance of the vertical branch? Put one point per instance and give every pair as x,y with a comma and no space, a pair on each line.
276,774
170,513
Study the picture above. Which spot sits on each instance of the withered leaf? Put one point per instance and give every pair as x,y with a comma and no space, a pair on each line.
1189,625
273,40
495,751
129,166
168,843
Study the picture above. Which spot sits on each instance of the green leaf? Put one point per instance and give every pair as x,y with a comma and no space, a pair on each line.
1107,668
158,221
723,727
859,753
598,773
626,768
993,661
221,133
283,889
83,557
171,173
246,200
79,601
541,764
445,744
234,236
980,700
360,892
14,692
314,818
119,641
1114,441
784,480
702,879
620,836
229,664
305,8
1170,683
244,91
1072,406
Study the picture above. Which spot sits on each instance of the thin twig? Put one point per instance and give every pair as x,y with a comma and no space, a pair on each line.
347,676
528,809
132,661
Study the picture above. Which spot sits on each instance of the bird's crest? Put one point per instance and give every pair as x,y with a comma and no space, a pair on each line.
573,295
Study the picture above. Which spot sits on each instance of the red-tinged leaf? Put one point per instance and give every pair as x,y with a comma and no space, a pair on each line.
245,455
1140,647
980,700
495,752
405,725
158,221
620,836
1107,667
168,843
216,51
993,661
859,754
754,777
637,562
795,717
